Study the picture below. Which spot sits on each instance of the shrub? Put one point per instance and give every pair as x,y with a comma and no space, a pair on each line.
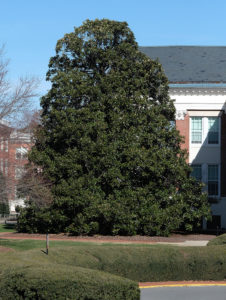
220,240
4,209
64,282
156,263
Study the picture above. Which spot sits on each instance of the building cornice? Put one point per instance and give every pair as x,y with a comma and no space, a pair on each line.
197,91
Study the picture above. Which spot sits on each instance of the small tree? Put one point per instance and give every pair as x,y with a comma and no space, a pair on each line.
107,143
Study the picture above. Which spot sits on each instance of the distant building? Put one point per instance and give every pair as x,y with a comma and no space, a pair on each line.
14,145
197,80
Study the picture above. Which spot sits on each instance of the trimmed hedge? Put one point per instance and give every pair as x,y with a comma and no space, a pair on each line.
219,240
155,263
64,282
78,271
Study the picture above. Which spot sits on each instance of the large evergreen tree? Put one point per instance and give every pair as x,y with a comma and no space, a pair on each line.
107,142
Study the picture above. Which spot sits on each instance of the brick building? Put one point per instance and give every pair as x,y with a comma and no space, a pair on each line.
197,80
14,145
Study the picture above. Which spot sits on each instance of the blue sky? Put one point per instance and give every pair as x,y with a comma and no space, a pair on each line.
30,29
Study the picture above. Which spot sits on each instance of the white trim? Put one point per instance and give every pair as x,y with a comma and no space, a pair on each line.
195,145
197,91
219,135
180,114
207,113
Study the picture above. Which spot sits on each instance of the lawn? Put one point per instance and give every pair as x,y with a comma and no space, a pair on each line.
7,228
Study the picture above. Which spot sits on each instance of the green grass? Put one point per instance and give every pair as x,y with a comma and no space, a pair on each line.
7,228
23,245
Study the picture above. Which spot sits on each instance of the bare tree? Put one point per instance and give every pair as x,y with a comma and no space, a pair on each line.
14,100
35,187
16,112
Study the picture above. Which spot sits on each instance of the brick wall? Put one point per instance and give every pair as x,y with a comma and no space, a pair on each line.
13,163
8,159
183,127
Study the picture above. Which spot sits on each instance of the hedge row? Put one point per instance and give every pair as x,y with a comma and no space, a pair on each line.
219,240
65,282
155,263
77,272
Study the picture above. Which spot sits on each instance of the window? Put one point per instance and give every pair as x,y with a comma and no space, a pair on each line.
6,167
197,172
17,196
21,153
213,130
213,180
2,144
19,171
196,130
2,162
6,145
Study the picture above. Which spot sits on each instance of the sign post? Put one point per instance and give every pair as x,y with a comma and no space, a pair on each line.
47,243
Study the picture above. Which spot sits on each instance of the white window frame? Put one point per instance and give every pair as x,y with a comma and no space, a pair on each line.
23,152
204,133
219,180
2,165
19,171
2,144
6,145
200,143
6,167
219,132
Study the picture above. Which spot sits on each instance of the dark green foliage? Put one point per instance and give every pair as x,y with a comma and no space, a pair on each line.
34,219
139,263
219,240
143,264
64,282
4,205
106,142
4,209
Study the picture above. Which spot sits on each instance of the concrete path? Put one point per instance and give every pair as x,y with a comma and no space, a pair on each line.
185,293
187,243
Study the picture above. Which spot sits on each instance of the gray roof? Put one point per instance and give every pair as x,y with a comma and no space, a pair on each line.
191,64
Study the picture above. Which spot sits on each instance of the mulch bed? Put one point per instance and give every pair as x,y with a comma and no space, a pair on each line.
174,238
